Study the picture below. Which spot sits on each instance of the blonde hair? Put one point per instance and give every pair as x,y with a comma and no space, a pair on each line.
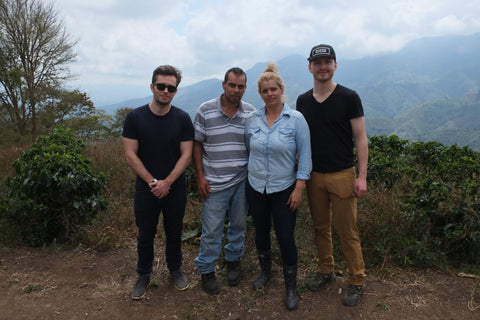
270,73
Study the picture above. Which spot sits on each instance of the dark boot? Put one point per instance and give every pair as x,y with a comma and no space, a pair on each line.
290,274
234,272
209,283
265,259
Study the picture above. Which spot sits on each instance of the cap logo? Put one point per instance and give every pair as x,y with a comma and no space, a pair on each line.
321,51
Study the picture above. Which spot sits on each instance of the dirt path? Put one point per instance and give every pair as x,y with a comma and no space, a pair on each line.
82,284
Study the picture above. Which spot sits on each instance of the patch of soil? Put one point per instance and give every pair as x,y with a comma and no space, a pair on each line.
76,283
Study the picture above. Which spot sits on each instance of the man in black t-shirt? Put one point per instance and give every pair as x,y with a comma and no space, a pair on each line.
335,117
158,141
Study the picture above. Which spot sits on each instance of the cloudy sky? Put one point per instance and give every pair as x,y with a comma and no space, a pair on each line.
120,42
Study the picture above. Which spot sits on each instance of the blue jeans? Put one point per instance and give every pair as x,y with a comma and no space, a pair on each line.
231,201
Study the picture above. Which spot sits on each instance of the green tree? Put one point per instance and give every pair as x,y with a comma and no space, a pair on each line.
62,107
54,190
35,50
117,122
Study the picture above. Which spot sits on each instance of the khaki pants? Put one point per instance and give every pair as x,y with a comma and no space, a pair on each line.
330,195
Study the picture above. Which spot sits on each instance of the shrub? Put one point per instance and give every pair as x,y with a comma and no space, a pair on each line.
54,190
432,216
385,154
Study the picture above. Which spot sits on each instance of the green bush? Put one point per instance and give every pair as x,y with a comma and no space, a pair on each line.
54,190
432,216
385,155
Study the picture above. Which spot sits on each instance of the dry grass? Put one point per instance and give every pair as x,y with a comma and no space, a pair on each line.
7,156
111,227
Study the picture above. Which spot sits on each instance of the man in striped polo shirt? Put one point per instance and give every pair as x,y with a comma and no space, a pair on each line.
220,160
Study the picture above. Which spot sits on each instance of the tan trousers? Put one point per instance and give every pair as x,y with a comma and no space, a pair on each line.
330,195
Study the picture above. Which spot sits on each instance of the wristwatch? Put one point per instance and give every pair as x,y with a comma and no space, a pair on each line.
150,183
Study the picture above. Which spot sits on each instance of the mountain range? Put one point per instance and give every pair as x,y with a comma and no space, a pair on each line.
429,90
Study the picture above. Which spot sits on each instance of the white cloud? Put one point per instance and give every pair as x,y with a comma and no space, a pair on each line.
449,24
122,41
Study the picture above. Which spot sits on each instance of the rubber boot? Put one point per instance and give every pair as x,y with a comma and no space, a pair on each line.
265,259
234,272
291,299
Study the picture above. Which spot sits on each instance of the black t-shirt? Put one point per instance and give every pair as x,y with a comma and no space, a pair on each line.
330,129
159,140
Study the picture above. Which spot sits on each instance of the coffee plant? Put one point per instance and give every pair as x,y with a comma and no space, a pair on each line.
54,191
434,217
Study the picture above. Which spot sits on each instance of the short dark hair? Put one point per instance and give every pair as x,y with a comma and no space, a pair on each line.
167,70
236,71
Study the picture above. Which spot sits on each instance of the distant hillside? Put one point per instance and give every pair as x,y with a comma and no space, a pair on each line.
400,91
426,69
447,121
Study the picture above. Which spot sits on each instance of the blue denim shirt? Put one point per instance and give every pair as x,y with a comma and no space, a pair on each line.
273,151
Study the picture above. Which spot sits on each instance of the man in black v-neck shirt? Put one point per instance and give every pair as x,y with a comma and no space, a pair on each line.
335,117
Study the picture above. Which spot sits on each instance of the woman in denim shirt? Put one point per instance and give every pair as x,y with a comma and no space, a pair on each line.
278,141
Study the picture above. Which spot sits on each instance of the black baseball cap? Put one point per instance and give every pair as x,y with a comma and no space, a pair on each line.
322,50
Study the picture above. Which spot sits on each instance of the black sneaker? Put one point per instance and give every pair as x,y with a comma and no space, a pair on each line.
140,287
209,283
320,279
234,272
180,280
352,295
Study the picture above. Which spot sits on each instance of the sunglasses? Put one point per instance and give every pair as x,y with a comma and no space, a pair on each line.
162,86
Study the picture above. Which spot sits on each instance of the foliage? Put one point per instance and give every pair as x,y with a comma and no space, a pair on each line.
54,190
384,161
63,107
116,123
192,182
34,52
97,126
431,213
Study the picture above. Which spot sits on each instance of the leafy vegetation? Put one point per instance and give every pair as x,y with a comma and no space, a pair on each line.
425,207
53,191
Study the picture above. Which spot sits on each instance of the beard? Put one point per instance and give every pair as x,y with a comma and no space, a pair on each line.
233,99
163,102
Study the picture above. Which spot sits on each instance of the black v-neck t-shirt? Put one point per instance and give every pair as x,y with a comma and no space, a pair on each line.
330,129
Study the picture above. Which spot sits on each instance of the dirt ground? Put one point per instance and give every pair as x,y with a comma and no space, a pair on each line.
78,283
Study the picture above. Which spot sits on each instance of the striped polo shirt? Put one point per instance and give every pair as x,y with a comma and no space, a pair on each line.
225,156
